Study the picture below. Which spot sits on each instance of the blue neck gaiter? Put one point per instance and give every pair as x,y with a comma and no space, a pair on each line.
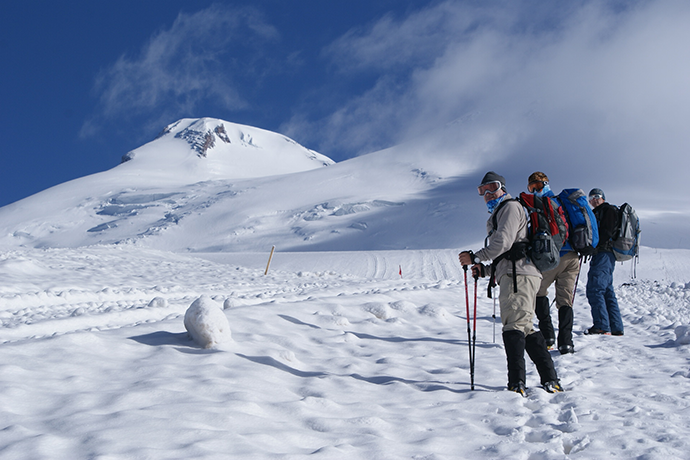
494,203
546,191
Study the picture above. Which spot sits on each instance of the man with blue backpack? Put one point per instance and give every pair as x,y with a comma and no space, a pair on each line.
582,239
602,298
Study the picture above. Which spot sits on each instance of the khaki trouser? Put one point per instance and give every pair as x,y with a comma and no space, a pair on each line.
565,275
517,308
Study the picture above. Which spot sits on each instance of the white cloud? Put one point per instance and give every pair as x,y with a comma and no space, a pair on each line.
193,61
598,91
392,42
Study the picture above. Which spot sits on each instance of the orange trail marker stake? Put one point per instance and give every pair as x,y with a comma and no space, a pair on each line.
269,260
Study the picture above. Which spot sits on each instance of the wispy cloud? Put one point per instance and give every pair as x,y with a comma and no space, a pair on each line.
581,89
199,58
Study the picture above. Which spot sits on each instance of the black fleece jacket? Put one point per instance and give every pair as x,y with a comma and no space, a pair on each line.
607,220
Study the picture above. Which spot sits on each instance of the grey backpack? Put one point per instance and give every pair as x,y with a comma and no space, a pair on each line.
626,241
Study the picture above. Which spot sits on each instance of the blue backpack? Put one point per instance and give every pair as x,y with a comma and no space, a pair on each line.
583,232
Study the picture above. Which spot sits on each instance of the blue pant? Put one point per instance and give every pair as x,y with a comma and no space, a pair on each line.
600,293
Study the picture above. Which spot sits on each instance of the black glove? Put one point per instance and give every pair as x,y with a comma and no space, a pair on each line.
478,271
474,259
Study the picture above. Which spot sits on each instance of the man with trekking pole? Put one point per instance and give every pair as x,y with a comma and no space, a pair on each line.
519,281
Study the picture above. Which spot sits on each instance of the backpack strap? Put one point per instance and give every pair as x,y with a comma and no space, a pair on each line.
516,252
494,218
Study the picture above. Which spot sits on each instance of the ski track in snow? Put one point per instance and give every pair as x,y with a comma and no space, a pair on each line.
32,312
334,355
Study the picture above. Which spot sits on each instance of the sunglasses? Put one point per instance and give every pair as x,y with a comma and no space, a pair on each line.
594,197
536,186
491,187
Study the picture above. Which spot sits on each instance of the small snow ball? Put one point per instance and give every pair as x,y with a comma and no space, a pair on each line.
158,302
682,335
206,323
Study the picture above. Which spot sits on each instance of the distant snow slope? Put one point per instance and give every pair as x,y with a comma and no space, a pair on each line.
209,185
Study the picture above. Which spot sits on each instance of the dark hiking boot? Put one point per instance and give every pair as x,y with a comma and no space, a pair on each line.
518,388
543,313
596,331
565,328
514,344
553,386
540,356
565,349
617,333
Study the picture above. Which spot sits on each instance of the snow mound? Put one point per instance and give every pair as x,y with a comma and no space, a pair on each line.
379,310
682,335
206,323
158,302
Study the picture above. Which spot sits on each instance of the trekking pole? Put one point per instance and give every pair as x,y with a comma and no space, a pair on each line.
474,333
469,333
576,280
494,316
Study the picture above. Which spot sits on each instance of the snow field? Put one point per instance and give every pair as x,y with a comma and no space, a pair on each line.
325,362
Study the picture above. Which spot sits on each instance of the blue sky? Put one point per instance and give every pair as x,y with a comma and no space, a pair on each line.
576,88
82,83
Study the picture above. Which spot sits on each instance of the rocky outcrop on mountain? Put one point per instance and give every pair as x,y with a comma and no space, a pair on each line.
203,141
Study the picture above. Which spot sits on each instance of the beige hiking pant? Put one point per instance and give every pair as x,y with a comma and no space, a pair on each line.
564,275
517,308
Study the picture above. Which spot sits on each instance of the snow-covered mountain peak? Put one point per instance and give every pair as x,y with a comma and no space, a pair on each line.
221,149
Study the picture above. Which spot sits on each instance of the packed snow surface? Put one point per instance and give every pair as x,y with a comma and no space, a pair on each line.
333,355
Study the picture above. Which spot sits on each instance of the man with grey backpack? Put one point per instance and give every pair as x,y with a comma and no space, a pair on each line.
600,293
